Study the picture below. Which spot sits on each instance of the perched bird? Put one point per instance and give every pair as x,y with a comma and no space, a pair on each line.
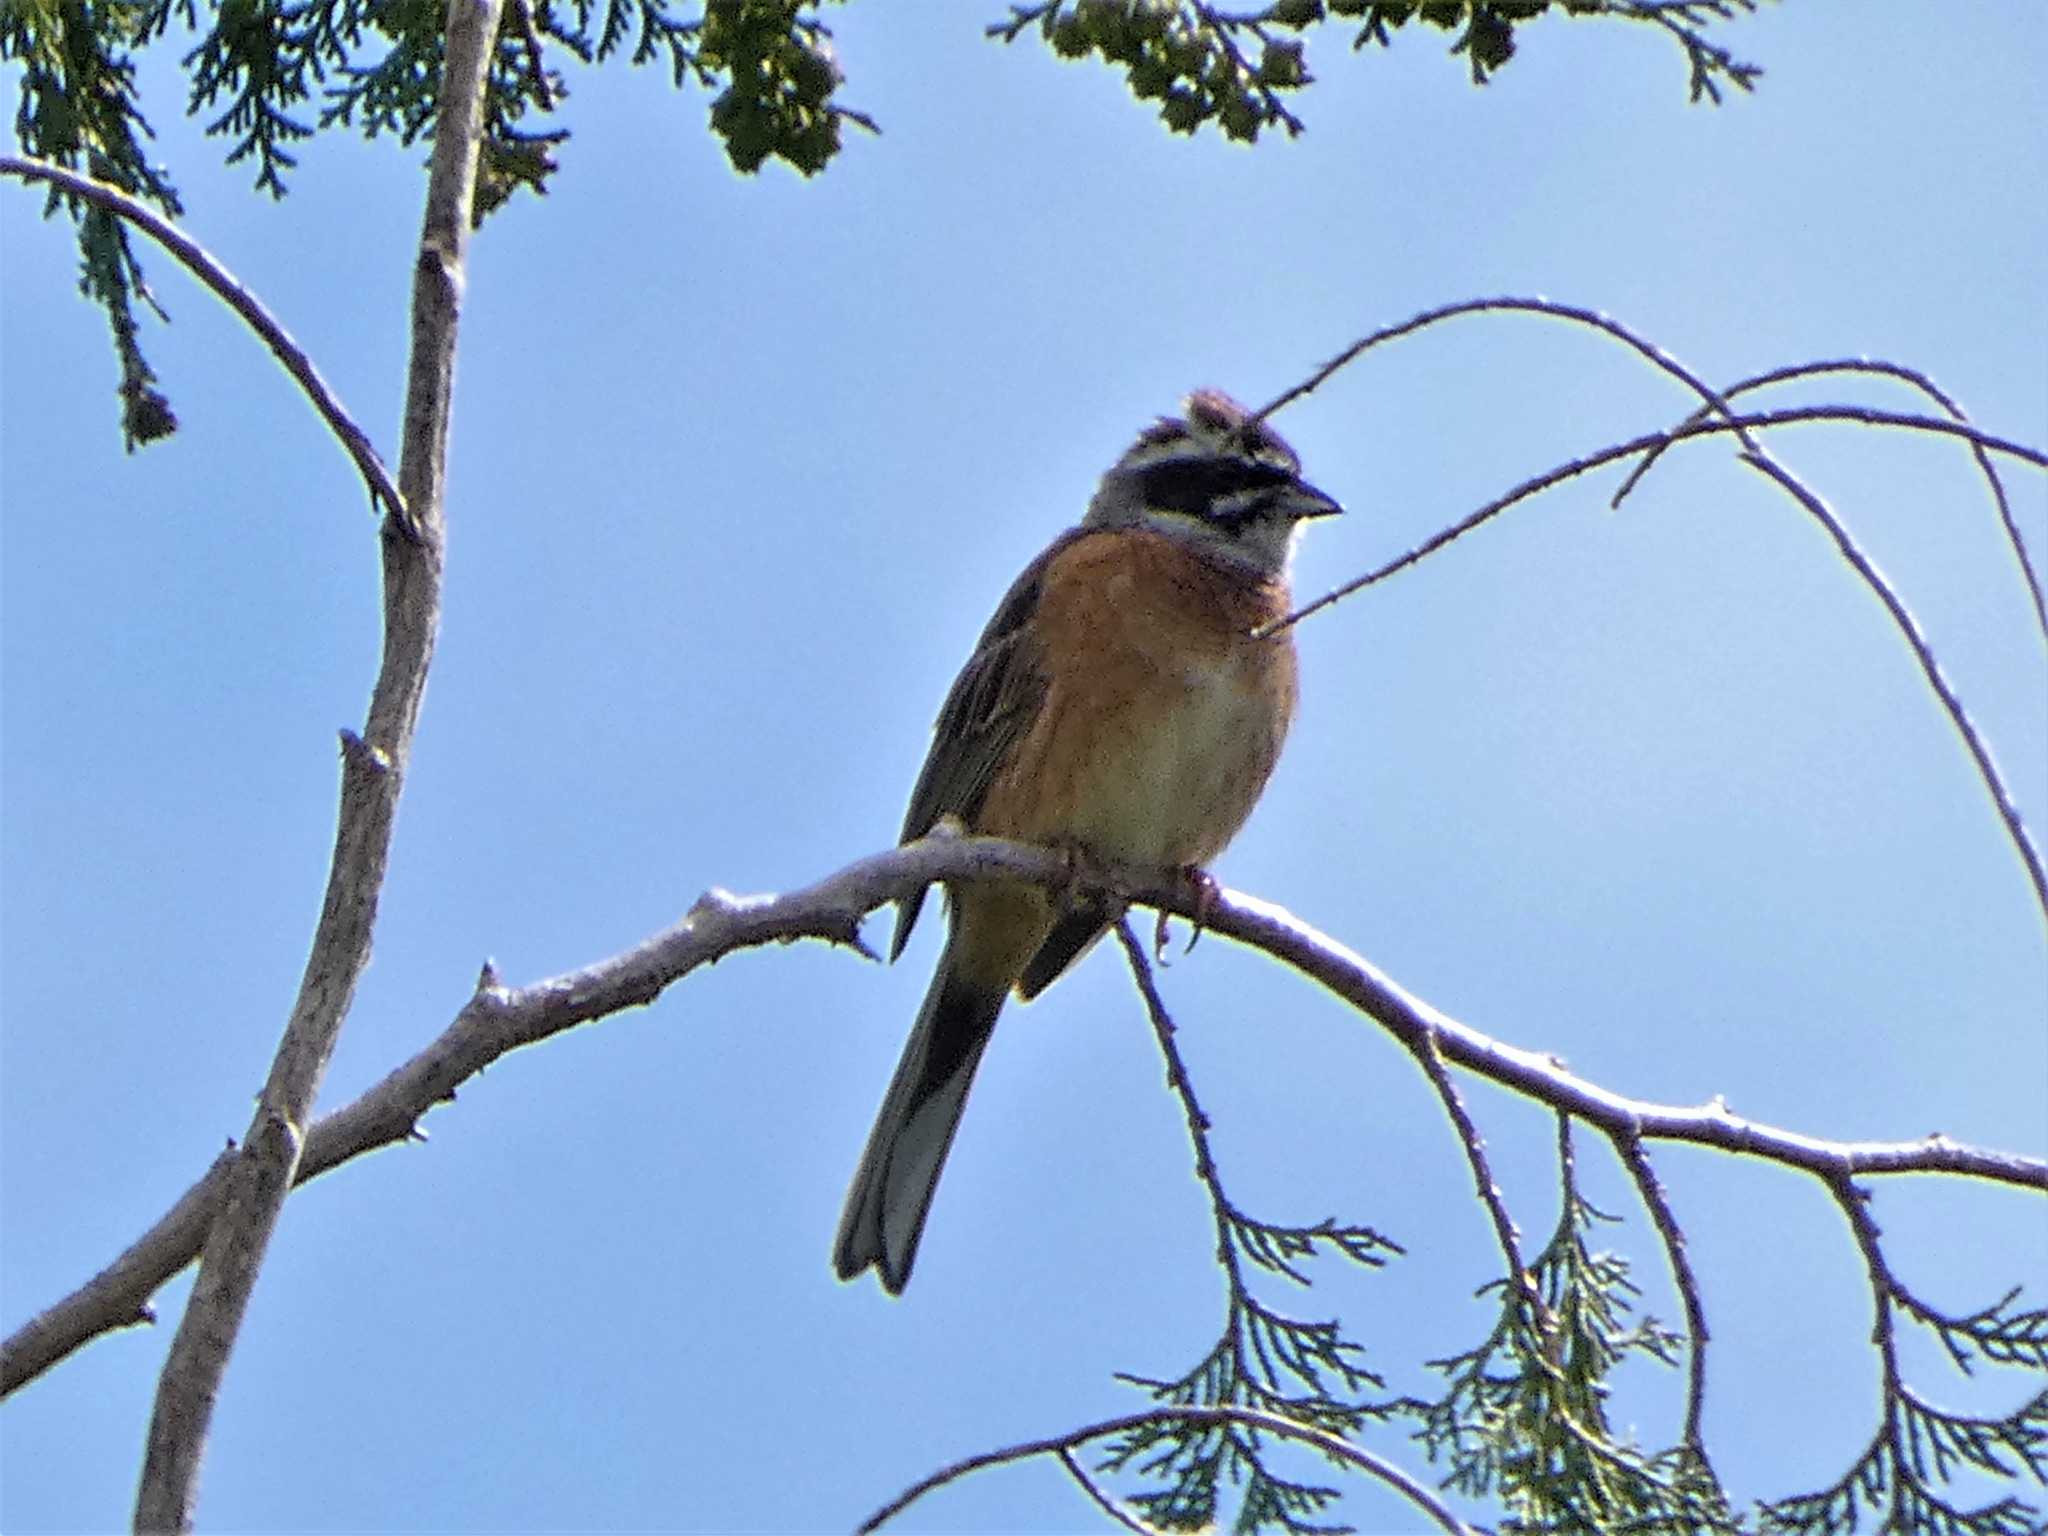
1117,705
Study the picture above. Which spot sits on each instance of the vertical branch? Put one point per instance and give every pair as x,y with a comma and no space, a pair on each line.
373,772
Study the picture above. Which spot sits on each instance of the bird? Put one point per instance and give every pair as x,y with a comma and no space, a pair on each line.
1123,705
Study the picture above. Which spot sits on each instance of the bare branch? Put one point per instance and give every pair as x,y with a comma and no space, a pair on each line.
1741,427
1879,368
1183,1087
1757,457
1923,653
498,1019
1429,1057
1333,1446
1651,1191
262,1173
1541,1078
1571,469
229,289
1111,1510
1548,308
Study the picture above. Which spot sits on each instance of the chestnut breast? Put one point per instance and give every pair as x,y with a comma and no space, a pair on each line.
1162,717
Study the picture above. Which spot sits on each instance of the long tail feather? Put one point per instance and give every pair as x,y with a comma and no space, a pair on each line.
906,1151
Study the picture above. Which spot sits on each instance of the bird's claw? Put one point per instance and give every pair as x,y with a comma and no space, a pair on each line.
1207,892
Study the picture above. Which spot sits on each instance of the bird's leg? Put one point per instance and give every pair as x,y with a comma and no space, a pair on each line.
1206,892
1084,874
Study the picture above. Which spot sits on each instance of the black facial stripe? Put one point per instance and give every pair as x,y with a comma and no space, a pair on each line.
1235,511
1211,487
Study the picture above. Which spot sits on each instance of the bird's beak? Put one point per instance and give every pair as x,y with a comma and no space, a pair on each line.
1305,501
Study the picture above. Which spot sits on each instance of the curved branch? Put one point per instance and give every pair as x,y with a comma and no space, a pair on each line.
1571,469
1757,457
1592,319
1536,1076
1102,1501
498,1019
1741,427
262,1172
229,290
1879,368
1427,1056
1944,691
1978,451
1333,1446
1651,1192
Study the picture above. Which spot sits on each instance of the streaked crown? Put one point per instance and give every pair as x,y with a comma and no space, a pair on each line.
1216,478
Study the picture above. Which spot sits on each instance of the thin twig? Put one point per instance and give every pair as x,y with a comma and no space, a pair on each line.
1333,1446
1879,368
1854,1205
1741,426
1702,57
1183,1088
1571,469
229,289
499,1019
1548,308
1951,701
1425,1048
1102,1501
1629,1149
263,1171
1757,457
1220,27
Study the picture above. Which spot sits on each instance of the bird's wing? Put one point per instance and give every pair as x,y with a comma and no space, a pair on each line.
992,704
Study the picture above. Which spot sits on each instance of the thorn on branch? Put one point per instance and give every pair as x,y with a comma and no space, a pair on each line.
852,939
715,902
364,756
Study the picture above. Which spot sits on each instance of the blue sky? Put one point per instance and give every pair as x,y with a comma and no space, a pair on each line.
739,469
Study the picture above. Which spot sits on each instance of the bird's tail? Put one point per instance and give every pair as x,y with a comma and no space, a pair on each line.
892,1189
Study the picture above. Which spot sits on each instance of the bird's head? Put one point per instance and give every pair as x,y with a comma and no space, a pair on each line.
1218,480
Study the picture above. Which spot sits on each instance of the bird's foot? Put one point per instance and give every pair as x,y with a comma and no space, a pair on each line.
1206,893
1087,878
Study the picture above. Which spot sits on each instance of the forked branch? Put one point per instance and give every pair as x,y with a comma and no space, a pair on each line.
258,1175
1717,416
498,1019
